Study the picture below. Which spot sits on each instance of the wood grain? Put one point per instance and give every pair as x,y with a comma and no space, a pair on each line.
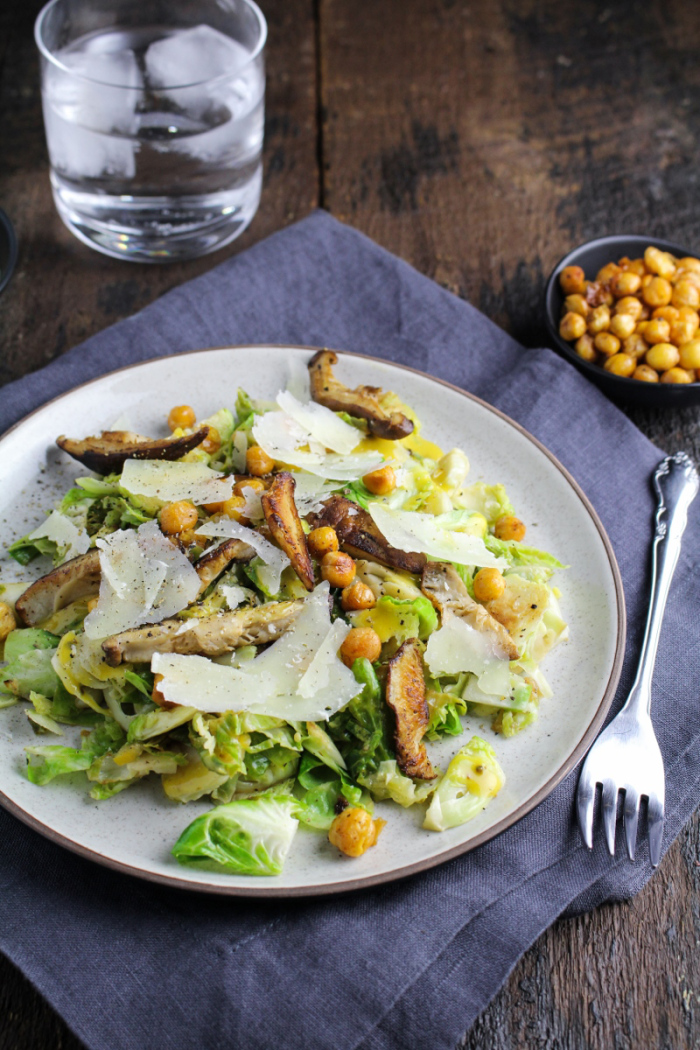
478,141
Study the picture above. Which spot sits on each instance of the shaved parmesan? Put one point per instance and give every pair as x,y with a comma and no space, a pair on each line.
275,560
144,578
170,482
291,444
310,491
409,531
234,595
69,539
457,647
252,509
299,678
239,447
321,424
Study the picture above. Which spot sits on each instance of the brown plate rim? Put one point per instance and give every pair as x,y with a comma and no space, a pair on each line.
323,889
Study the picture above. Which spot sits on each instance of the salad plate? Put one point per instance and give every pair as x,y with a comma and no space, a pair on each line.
134,831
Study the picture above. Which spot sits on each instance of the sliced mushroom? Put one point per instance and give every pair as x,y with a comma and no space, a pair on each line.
405,695
447,590
107,453
362,402
285,526
206,636
214,561
359,536
77,578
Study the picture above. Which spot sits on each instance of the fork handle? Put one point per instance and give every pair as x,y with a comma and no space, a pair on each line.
676,484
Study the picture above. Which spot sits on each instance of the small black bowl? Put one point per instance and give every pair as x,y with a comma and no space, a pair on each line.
591,256
8,250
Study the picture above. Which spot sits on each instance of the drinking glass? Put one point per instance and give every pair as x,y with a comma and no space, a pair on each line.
154,115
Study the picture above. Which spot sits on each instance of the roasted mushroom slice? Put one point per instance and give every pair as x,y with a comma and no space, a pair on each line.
405,695
107,453
359,536
206,636
447,590
285,526
75,579
362,402
213,562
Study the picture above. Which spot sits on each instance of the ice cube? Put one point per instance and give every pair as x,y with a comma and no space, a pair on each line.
89,108
193,56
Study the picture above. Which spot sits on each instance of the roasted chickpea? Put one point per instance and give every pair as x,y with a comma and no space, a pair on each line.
182,416
663,356
690,316
607,343
572,326
636,266
585,349
628,305
681,332
322,541
607,272
247,484
665,313
176,517
645,374
7,620
677,375
599,320
622,325
576,304
234,507
686,293
357,596
572,280
338,569
488,584
621,364
689,263
689,354
657,331
383,481
212,442
156,695
635,346
258,462
658,292
624,283
509,528
360,643
658,262
353,831
213,508
687,275
645,313
646,280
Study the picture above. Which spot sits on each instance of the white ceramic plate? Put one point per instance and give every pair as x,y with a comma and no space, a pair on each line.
135,831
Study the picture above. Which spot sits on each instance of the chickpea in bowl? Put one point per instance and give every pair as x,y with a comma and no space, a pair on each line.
639,318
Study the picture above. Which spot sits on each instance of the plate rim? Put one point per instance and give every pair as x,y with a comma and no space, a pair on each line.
406,871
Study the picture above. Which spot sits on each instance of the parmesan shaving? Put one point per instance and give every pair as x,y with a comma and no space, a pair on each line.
69,539
411,531
288,443
321,424
276,561
299,678
144,579
193,481
457,647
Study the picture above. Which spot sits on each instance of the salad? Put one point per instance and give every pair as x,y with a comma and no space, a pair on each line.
279,609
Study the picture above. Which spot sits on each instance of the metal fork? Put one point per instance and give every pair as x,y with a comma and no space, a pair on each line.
626,755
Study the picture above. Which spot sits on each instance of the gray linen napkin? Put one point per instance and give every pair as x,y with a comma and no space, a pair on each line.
132,965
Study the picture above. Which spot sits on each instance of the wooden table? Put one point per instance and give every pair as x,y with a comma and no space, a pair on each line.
479,141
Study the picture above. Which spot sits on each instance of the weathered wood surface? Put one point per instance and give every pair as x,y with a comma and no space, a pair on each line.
478,141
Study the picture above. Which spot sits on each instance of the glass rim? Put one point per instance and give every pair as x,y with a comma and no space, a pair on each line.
51,57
